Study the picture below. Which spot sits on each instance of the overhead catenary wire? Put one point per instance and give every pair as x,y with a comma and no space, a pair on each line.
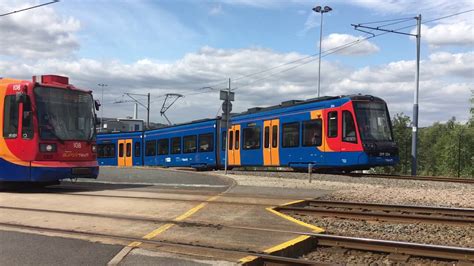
28,8
304,60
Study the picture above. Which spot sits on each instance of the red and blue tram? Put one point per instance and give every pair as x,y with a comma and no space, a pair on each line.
48,130
342,133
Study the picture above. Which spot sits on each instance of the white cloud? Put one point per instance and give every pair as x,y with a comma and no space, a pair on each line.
460,33
216,10
335,40
37,33
445,81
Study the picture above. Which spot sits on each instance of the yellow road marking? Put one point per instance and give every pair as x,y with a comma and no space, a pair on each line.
289,218
288,243
180,218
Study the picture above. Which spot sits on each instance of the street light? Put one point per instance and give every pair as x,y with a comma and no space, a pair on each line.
321,10
102,106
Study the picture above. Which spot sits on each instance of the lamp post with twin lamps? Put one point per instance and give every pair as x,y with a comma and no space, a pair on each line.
321,10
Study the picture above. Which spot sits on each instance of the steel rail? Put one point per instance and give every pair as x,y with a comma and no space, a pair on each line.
418,178
263,256
397,247
396,213
356,243
393,207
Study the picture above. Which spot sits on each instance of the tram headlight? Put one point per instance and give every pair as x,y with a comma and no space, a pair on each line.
48,147
94,148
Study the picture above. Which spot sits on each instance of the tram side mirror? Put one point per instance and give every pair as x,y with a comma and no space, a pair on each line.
20,97
97,105
97,121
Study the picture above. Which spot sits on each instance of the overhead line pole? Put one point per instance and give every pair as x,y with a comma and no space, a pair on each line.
414,136
227,131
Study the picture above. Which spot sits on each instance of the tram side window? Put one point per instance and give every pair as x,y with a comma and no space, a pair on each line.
150,148
224,139
206,142
138,149
121,150
129,150
27,125
332,124
189,144
252,138
266,133
312,133
274,136
231,140
237,139
163,147
291,135
106,151
348,128
176,145
10,117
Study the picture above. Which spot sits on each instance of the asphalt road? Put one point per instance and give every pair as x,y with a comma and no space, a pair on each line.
31,249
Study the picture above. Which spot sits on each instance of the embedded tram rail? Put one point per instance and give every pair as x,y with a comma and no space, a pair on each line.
385,212
438,252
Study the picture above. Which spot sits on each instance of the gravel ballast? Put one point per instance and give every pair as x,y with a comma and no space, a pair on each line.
366,189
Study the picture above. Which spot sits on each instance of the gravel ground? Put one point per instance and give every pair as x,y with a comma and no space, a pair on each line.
354,257
375,190
435,234
366,189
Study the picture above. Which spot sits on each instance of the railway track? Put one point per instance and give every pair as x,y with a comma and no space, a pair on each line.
316,240
420,178
386,212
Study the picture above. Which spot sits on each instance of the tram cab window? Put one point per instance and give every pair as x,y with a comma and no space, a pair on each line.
189,144
163,147
312,133
332,124
291,135
348,128
252,137
10,117
150,148
206,142
138,151
27,124
176,145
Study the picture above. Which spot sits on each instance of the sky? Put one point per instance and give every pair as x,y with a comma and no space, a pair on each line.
268,48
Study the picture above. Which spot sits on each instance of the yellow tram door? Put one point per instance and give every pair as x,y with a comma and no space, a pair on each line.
121,153
128,153
271,142
233,150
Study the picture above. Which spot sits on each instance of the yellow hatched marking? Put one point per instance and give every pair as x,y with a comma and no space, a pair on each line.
289,218
135,244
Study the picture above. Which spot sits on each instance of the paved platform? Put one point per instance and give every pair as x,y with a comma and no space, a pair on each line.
202,211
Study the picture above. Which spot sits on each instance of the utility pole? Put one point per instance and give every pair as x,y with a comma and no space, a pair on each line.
414,136
147,107
228,97
102,107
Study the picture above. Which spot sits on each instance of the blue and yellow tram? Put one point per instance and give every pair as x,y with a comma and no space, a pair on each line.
336,133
